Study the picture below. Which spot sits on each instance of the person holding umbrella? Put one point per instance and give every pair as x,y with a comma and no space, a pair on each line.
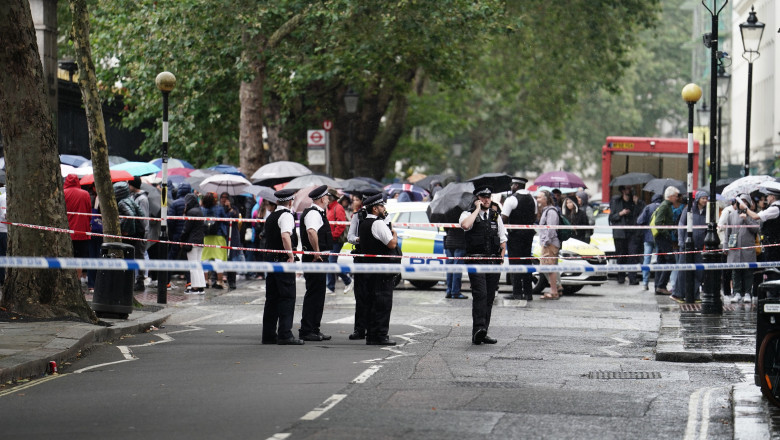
770,220
279,306
486,239
623,212
520,209
316,236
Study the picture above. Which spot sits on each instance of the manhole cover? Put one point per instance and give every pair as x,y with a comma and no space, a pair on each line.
624,375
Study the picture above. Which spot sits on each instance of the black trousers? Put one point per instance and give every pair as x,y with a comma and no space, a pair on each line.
626,246
313,303
483,292
520,247
378,301
279,306
361,314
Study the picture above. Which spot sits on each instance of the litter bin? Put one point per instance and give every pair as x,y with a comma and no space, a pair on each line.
113,295
767,313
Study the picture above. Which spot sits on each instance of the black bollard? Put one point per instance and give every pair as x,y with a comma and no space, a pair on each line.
711,303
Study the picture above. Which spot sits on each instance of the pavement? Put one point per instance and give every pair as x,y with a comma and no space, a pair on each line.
685,335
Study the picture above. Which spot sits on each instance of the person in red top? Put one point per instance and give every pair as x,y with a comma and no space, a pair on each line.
77,200
336,213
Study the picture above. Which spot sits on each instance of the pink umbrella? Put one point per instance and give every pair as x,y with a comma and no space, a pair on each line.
302,200
177,172
559,179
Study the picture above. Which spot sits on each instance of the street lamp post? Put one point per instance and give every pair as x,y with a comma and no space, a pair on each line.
724,83
752,30
691,94
351,103
704,117
165,81
710,297
71,67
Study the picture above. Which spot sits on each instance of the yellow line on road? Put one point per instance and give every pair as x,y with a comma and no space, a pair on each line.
31,384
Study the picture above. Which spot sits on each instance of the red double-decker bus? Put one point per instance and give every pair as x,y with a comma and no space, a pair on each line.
661,157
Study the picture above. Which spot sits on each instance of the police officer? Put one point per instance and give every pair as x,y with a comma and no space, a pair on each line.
378,239
315,237
485,237
279,308
359,331
770,221
520,209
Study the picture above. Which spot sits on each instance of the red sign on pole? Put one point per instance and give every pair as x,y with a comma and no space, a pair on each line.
327,125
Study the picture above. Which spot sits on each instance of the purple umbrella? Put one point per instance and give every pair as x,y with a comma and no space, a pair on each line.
416,193
559,179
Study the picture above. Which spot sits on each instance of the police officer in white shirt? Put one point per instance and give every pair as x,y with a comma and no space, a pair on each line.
315,237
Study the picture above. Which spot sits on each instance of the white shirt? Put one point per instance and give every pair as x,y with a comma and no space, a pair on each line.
511,203
769,213
3,213
313,219
380,231
501,228
286,222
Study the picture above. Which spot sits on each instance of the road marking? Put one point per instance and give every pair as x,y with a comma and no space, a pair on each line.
363,377
329,403
245,318
699,414
257,301
202,318
279,436
347,320
31,384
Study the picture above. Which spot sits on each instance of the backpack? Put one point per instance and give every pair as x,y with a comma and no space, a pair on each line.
213,227
564,233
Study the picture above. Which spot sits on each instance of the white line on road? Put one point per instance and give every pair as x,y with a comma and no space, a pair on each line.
202,318
279,436
329,403
347,320
363,377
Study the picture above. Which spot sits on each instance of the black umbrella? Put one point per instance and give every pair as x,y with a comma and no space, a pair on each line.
450,202
426,183
660,185
499,182
356,186
632,179
371,181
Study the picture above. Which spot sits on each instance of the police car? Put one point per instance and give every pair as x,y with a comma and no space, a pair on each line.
421,245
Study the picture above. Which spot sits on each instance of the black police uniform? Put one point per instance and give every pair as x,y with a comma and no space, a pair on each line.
520,242
314,299
378,293
770,231
280,287
483,240
361,314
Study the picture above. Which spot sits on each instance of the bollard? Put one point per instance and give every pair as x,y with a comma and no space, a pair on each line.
690,278
711,303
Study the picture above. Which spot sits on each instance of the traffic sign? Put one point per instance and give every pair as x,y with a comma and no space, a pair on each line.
315,137
327,125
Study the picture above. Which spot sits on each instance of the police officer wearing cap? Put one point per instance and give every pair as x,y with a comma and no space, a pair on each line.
315,237
377,238
485,237
359,279
279,308
520,209
770,220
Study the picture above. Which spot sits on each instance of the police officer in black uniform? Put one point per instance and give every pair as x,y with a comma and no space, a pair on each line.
770,221
315,237
377,238
359,331
485,237
520,209
279,308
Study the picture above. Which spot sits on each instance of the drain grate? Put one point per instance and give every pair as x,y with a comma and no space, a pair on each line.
469,384
726,307
624,375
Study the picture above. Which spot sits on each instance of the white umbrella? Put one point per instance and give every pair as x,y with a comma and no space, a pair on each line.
67,169
744,185
278,172
84,171
312,179
230,183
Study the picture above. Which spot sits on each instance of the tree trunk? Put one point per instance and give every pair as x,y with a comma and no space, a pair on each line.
278,145
95,124
34,182
477,146
250,138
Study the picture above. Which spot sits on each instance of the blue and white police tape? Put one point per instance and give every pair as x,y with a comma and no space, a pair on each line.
239,266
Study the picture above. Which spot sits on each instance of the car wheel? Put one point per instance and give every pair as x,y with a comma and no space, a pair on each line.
570,290
396,279
539,283
423,284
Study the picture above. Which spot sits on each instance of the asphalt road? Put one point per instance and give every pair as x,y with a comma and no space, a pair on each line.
581,367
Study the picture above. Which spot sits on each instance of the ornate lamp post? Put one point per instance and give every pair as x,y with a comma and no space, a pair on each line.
165,81
704,119
691,94
752,30
351,99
